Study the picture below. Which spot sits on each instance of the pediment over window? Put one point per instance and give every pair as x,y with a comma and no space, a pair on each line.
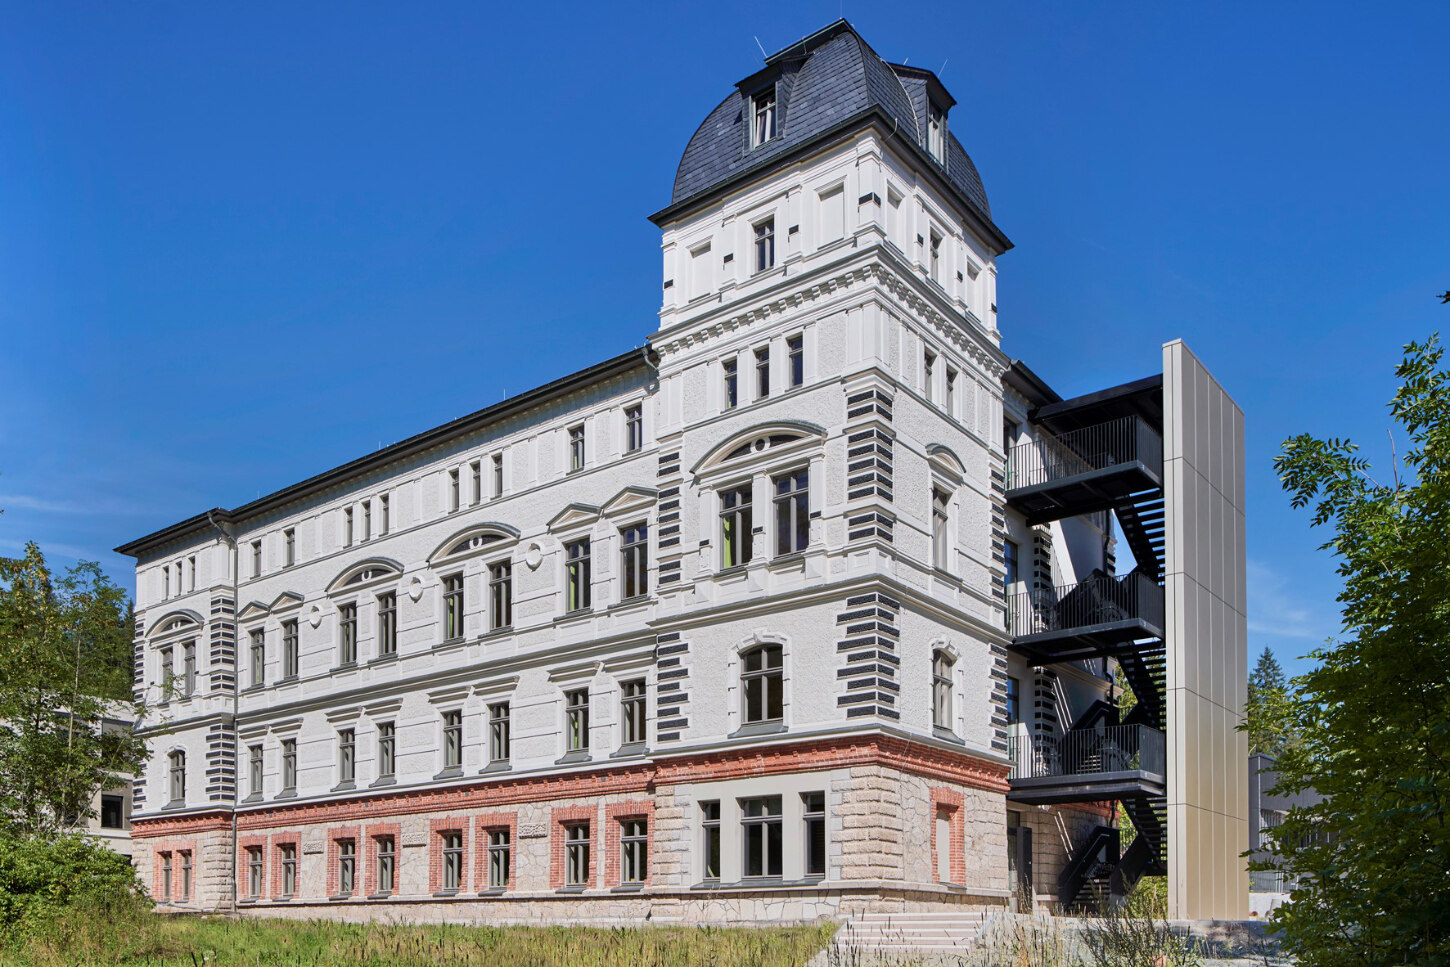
175,622
943,459
574,515
630,500
365,572
286,601
760,440
475,540
253,609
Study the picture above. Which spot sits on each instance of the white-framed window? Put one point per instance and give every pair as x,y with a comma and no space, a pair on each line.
497,475
762,114
347,633
576,720
936,133
289,765
347,527
813,817
736,526
762,372
633,428
500,858
256,560
289,549
795,355
935,256
761,836
290,654
387,750
764,244
254,770
289,868
499,732
950,402
710,839
762,684
576,447
633,849
634,561
500,595
188,669
454,498
576,854
633,711
942,668
452,846
346,755
387,624
453,606
258,657
177,776
792,511
577,575
367,521
383,521
254,872
730,383
928,375
453,739
940,528
476,472
387,859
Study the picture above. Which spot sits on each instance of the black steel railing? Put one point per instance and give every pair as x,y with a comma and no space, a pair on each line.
1100,600
1052,457
1087,752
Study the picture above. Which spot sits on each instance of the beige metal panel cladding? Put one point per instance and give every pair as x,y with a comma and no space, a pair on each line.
1203,464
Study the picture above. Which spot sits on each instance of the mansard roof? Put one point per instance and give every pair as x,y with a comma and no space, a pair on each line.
823,83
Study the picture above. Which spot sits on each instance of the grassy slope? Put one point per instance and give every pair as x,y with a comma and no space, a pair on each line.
157,941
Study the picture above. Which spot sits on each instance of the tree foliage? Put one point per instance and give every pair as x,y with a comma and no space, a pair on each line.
1373,716
1268,716
65,654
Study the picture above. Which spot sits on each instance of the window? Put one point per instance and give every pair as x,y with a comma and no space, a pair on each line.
254,770
814,806
940,532
633,850
452,607
254,872
383,520
453,739
762,111
633,428
576,447
762,372
735,527
633,698
453,861
498,474
289,649
499,859
289,765
1009,435
188,669
346,755
289,547
1014,701
710,831
191,569
256,561
941,690
289,869
453,498
936,257
498,732
347,634
166,581
387,750
186,874
367,529
387,624
576,719
113,812
928,381
634,556
476,467
178,777
792,512
347,527
936,133
762,684
760,827
168,671
578,579
346,865
795,352
166,876
951,400
576,851
732,384
387,863
765,245
259,657
500,595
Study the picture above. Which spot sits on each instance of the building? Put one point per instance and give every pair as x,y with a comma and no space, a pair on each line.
1268,808
808,607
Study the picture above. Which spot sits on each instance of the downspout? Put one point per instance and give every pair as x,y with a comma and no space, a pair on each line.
236,704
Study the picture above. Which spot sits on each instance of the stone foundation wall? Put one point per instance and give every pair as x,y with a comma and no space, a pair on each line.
1056,832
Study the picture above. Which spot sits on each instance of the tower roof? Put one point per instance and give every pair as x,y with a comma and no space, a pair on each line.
823,83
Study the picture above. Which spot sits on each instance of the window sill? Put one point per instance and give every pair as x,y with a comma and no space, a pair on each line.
379,896
254,797
498,632
383,781
631,750
254,687
494,768
452,772
790,559
346,666
285,680
569,758
628,888
493,891
947,735
447,642
633,600
286,794
445,894
734,570
175,804
384,659
758,728
577,888
574,615
340,896
344,787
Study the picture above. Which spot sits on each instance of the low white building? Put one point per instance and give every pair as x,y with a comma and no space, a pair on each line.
804,608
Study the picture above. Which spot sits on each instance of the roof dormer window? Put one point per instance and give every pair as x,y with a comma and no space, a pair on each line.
936,133
762,110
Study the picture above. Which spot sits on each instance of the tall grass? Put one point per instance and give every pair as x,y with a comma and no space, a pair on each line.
158,941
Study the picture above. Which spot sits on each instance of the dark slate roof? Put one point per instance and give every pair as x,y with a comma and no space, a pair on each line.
822,82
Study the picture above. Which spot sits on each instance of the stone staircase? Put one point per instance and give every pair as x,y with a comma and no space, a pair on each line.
926,933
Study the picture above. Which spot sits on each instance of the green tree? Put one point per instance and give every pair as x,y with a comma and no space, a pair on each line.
64,657
1267,712
1373,716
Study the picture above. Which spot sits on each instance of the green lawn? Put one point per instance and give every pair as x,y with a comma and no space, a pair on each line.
158,941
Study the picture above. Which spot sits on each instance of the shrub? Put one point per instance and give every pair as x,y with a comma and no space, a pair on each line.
44,878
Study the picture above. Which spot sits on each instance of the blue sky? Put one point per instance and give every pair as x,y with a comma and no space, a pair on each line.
239,245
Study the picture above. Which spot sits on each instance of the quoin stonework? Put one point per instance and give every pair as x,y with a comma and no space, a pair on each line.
811,606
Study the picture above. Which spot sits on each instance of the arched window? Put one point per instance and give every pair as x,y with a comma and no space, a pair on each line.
762,684
941,689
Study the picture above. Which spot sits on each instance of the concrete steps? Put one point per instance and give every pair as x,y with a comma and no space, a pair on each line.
925,932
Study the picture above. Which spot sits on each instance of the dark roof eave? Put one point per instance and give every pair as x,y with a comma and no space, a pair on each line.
618,365
1030,385
982,221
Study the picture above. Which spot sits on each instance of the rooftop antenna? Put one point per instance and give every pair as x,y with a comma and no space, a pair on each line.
762,47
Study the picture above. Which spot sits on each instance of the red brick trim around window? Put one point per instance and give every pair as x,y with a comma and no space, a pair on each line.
374,831
278,841
614,814
334,882
951,801
559,817
485,824
436,829
244,870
